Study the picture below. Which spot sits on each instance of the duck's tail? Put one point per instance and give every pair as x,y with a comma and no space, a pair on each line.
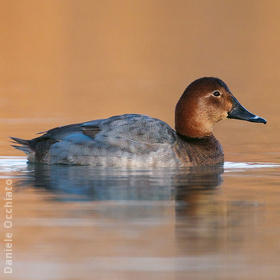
24,145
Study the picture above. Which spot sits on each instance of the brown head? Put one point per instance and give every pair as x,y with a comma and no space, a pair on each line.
205,102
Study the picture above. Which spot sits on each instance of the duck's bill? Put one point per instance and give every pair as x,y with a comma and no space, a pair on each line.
240,113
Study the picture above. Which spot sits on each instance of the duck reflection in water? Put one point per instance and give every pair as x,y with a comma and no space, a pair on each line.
154,198
93,183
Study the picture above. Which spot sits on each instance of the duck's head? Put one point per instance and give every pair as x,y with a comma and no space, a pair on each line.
205,102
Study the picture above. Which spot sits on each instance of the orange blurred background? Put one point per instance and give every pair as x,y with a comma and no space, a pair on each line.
70,61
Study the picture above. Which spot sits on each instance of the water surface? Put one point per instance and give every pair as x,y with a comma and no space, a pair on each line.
78,222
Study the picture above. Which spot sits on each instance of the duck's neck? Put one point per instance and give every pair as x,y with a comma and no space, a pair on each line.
194,130
189,122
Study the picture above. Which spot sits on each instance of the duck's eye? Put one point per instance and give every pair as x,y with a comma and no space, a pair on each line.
216,93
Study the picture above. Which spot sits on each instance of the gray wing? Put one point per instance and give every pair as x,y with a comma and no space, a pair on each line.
132,127
130,133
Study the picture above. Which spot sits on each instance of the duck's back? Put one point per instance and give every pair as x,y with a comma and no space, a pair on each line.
126,140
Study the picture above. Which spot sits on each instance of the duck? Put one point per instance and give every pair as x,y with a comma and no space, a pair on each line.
140,141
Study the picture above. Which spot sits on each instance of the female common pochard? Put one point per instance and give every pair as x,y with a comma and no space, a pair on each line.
138,141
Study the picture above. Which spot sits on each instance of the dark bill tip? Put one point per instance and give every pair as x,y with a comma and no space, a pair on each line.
257,119
240,113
